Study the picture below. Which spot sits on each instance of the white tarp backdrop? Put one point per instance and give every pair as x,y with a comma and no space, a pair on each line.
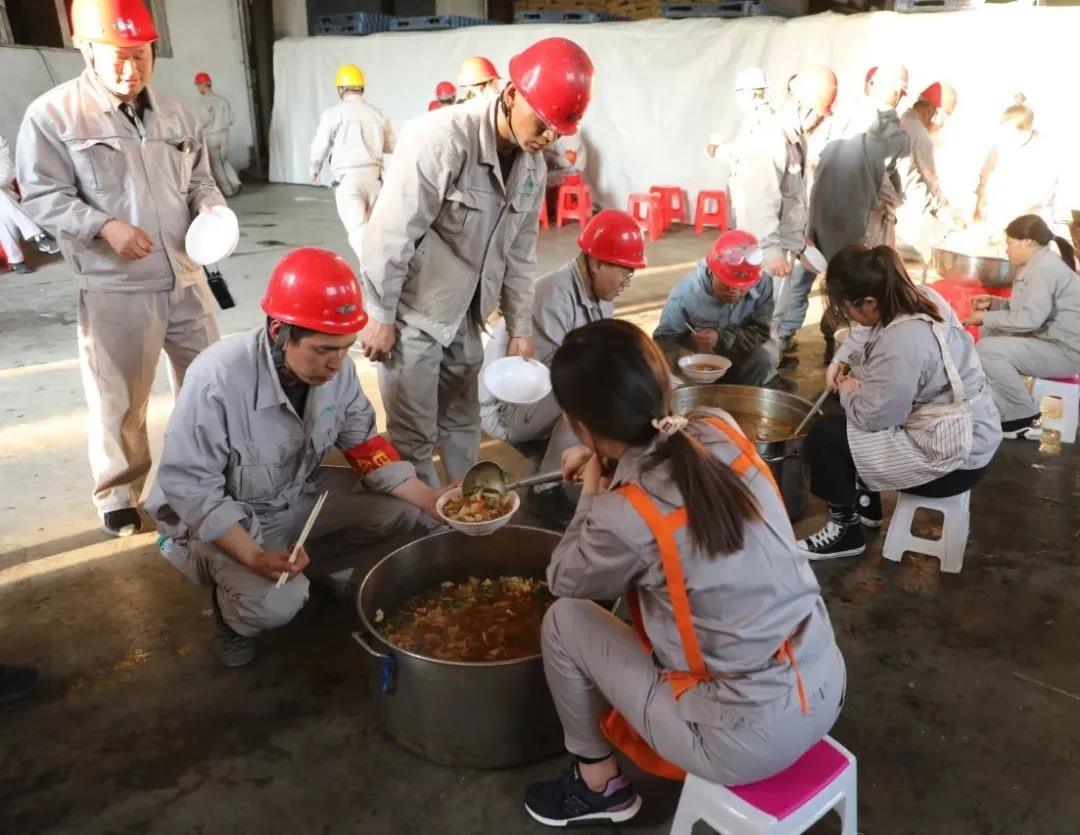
662,86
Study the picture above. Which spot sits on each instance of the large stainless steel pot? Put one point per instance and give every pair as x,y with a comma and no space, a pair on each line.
989,270
474,715
782,456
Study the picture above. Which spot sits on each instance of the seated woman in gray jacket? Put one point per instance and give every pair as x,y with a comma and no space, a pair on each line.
909,381
1037,331
725,307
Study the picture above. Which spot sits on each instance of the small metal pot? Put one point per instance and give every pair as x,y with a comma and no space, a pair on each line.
474,715
783,458
986,269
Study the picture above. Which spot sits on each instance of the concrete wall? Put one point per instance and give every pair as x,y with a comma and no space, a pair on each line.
205,35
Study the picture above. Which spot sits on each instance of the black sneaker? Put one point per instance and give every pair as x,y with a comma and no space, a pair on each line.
567,801
16,682
832,541
123,522
868,503
1025,429
22,268
234,649
47,244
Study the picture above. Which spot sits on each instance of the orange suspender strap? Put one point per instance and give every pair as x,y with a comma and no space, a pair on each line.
749,457
787,653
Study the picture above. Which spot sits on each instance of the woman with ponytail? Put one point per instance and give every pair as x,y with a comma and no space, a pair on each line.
918,413
731,671
1034,333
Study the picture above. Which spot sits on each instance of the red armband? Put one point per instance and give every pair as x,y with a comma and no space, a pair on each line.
372,455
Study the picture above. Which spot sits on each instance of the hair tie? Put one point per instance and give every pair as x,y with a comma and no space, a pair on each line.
670,424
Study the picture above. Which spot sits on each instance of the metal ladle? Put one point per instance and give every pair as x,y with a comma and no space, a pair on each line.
487,475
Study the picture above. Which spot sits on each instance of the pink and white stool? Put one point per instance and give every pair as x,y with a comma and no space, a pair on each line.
788,803
1067,390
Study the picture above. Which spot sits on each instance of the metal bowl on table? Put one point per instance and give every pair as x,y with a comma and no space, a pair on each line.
496,714
984,265
753,407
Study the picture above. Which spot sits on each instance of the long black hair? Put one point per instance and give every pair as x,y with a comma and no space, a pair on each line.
1034,228
860,272
611,377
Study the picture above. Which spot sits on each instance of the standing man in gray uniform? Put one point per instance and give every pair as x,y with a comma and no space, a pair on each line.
216,117
117,172
241,468
452,237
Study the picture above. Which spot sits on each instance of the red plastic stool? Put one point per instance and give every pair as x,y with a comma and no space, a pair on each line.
574,203
673,204
717,217
544,222
648,211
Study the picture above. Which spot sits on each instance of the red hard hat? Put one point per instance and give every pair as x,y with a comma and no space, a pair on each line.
816,88
122,23
940,95
203,78
315,289
434,105
476,70
735,259
614,237
892,74
554,76
445,90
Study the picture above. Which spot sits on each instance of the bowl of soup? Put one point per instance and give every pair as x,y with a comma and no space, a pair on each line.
704,368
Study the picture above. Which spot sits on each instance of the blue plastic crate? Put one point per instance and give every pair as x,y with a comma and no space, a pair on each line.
354,23
427,24
558,16
734,8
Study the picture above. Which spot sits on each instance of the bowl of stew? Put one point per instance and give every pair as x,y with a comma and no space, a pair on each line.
478,514
704,368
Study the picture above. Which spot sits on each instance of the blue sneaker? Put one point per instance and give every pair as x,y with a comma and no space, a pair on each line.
567,801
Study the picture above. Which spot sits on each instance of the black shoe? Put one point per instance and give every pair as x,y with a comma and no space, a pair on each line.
789,344
47,244
551,505
16,682
832,541
1025,429
234,649
568,801
780,383
868,502
22,268
123,522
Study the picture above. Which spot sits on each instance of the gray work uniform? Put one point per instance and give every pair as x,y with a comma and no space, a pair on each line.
562,304
15,225
82,162
449,240
744,326
215,114
737,729
352,137
1036,332
566,155
904,370
916,219
237,452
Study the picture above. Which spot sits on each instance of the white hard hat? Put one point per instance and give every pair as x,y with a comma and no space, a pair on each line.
750,78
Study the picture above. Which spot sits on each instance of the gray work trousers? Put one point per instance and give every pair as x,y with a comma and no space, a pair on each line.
593,661
15,227
354,529
1007,359
217,146
755,368
355,196
121,336
431,397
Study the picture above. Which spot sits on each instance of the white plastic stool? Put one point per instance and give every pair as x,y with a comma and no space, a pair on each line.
956,514
1068,392
788,803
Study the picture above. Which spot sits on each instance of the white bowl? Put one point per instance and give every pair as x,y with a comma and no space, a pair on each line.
475,528
722,365
517,381
213,236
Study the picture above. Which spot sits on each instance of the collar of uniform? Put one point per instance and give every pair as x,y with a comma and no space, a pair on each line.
580,290
631,466
106,99
268,390
489,135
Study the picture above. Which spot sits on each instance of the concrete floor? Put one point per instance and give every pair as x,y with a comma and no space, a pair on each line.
964,691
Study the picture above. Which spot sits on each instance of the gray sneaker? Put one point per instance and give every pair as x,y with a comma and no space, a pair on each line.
234,649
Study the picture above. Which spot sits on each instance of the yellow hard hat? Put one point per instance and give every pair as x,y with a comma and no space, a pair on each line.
349,75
